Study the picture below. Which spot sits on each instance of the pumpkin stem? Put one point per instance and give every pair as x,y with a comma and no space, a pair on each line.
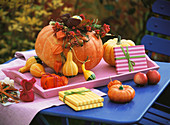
109,34
110,79
86,60
118,40
121,87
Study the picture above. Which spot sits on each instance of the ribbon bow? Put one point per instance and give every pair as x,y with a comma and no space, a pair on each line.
127,56
75,92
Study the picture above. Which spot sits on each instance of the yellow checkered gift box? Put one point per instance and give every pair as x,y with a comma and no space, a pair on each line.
81,99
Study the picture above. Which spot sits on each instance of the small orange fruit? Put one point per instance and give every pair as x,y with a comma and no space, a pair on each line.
115,82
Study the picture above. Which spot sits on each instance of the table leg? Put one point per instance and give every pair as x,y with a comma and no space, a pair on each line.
41,119
65,121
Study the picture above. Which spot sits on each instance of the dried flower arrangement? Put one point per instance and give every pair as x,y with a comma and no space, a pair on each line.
8,93
76,27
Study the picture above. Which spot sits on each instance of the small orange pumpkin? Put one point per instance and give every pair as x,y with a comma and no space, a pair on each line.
121,93
49,48
115,82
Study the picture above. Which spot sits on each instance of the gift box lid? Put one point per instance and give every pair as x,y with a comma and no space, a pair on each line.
82,107
130,58
83,97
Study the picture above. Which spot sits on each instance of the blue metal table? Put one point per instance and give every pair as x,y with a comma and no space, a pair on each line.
113,113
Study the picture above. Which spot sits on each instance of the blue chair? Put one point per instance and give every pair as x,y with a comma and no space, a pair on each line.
158,42
159,26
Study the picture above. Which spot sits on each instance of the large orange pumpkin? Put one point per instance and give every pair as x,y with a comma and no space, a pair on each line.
49,48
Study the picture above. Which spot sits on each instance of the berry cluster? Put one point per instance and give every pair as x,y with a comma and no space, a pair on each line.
76,28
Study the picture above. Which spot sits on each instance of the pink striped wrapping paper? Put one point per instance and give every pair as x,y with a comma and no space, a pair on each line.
122,65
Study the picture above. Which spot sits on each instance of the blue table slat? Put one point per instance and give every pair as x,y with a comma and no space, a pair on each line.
162,107
156,119
161,7
159,113
159,25
156,44
147,122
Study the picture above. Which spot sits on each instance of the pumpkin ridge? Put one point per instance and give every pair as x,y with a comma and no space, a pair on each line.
43,32
45,29
47,40
126,98
106,55
129,93
96,55
40,42
122,96
99,53
95,48
54,42
109,48
112,57
109,59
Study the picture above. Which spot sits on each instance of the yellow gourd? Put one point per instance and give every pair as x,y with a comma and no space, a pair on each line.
109,56
29,62
88,75
37,70
70,68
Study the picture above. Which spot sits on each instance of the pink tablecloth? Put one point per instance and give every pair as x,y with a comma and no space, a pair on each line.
25,54
22,113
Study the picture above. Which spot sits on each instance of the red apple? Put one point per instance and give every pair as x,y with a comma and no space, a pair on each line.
140,78
153,77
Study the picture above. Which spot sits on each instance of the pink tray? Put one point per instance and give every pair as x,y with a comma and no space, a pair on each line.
103,73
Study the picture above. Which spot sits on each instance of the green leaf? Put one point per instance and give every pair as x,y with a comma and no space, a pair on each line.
7,33
66,45
118,12
131,11
38,7
109,7
96,21
97,26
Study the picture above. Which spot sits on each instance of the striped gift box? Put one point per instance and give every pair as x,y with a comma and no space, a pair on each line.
136,58
81,99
